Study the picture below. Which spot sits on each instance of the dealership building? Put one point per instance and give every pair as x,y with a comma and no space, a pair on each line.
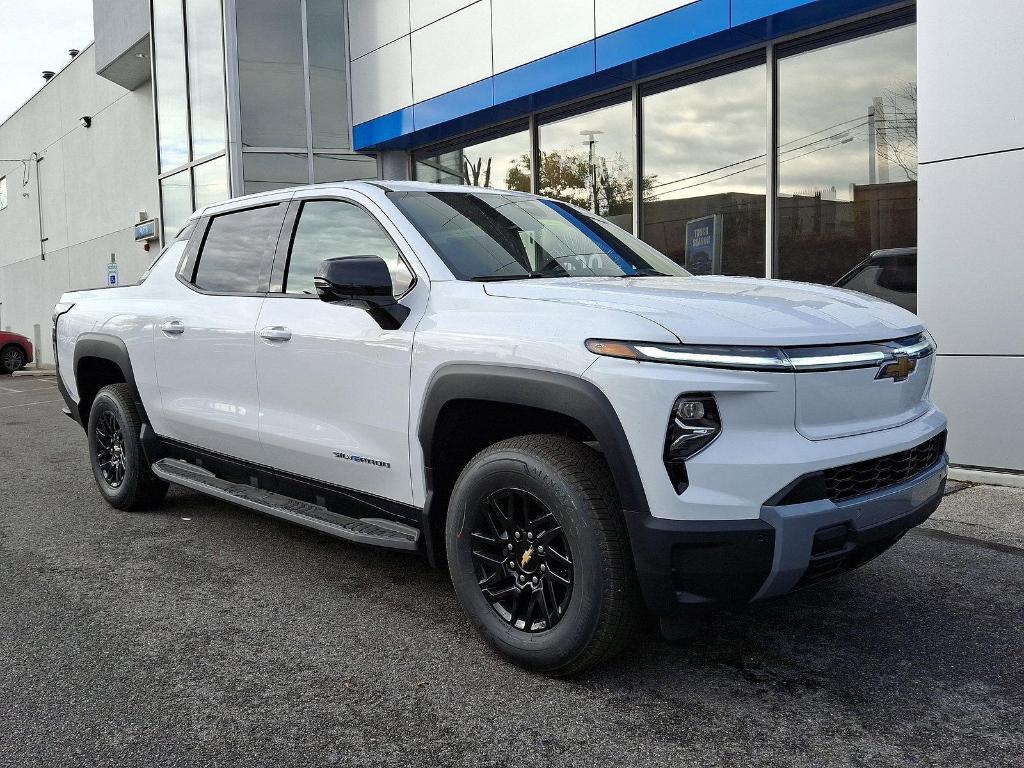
791,139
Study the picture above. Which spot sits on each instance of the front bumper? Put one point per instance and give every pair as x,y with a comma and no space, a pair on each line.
682,563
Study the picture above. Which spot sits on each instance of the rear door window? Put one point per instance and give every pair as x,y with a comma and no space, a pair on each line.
238,251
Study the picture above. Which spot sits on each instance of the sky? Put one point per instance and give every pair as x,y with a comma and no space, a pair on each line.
35,35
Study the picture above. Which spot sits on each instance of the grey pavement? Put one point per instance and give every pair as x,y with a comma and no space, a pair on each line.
206,635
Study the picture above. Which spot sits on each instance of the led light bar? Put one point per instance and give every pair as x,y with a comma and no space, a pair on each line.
777,359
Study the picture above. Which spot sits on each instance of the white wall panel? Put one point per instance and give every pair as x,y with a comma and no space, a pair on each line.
616,14
970,266
452,52
982,398
425,12
970,60
382,81
373,23
526,30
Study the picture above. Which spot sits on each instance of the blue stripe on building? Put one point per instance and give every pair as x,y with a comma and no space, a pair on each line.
674,39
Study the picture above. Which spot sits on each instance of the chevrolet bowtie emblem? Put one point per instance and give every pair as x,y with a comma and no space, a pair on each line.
526,557
898,369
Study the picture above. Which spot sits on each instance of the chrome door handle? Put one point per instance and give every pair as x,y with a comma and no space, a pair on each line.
173,327
276,333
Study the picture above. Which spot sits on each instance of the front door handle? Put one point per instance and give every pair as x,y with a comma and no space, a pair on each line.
276,333
173,327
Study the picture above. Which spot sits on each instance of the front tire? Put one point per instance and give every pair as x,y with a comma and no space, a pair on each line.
539,554
119,463
12,358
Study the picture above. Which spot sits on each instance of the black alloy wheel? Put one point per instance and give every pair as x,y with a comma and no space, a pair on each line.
539,555
11,359
110,454
523,561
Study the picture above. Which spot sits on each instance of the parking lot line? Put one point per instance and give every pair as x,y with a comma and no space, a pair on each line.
26,405
9,389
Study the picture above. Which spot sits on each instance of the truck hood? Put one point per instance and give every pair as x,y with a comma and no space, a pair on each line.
730,310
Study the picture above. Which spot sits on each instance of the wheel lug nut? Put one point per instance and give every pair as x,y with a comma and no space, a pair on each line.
509,547
543,568
534,581
521,578
529,536
518,534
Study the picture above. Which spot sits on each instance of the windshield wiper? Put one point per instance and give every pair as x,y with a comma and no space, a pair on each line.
496,278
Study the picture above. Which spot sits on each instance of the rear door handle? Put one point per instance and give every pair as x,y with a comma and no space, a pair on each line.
173,327
276,333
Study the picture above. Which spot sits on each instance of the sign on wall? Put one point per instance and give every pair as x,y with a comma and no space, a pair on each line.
112,273
704,245
146,230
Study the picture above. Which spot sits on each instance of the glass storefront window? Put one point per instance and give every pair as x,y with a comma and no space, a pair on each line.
328,94
206,76
169,63
270,73
705,173
847,155
265,171
343,167
501,163
587,159
175,203
211,182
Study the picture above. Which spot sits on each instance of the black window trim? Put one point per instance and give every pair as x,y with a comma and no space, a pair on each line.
283,253
190,260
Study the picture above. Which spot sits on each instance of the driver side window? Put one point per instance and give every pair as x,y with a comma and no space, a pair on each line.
330,229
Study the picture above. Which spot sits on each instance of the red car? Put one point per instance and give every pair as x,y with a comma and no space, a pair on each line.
15,351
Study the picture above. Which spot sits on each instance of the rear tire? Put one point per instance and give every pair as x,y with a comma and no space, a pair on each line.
560,610
12,358
119,463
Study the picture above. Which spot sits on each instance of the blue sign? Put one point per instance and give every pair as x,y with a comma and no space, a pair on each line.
704,245
145,230
112,274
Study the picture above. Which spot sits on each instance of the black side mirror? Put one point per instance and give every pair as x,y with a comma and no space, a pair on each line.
363,281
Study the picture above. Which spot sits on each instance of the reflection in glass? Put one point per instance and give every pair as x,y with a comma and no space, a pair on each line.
169,53
331,229
501,163
211,181
587,160
265,171
238,251
175,203
705,173
206,76
270,77
328,95
847,154
343,167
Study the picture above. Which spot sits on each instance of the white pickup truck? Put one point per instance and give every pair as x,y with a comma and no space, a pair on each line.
516,388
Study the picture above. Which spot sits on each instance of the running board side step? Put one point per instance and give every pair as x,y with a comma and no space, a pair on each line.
373,531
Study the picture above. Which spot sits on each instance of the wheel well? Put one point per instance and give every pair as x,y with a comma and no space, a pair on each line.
92,375
466,427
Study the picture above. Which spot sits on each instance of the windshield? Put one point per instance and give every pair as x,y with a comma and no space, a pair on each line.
489,236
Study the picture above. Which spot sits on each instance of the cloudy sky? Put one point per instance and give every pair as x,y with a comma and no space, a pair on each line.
36,35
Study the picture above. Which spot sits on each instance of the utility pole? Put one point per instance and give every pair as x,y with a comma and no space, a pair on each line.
590,142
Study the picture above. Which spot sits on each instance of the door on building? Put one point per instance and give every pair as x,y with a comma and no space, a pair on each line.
334,385
205,344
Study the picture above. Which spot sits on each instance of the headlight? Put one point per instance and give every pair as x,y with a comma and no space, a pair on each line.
833,357
692,426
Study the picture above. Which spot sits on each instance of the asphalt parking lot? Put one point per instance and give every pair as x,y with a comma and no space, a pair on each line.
203,634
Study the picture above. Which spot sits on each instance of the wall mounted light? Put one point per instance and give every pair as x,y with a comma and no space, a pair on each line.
85,120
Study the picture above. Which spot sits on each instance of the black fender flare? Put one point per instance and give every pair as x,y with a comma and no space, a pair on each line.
106,346
558,392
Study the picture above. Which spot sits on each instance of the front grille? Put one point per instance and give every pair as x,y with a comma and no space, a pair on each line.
864,477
